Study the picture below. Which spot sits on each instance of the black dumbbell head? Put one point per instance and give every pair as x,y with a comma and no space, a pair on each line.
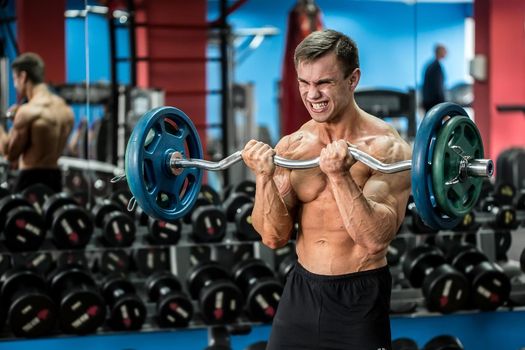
404,344
243,221
8,203
118,229
220,300
72,259
210,194
174,308
31,312
164,233
396,249
150,260
55,202
24,229
72,227
113,261
161,282
247,187
445,289
443,342
82,308
37,194
261,289
127,310
418,260
490,286
234,202
102,209
209,224
39,262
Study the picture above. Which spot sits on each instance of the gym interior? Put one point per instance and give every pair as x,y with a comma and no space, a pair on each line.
136,276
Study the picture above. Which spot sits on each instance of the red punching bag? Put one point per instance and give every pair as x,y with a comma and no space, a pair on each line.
304,19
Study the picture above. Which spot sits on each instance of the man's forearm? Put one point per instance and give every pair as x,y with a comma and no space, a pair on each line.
368,223
270,215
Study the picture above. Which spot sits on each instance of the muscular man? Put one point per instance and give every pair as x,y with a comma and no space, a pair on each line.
434,80
40,127
338,294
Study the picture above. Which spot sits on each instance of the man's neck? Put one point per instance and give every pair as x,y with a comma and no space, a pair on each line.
345,127
34,90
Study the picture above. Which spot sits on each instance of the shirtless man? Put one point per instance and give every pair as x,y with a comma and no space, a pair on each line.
40,127
338,294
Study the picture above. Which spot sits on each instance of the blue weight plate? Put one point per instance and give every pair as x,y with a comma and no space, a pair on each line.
422,187
159,192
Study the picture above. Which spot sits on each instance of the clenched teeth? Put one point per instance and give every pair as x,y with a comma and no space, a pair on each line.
319,105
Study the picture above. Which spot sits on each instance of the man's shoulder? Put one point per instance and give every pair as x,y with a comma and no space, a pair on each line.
384,142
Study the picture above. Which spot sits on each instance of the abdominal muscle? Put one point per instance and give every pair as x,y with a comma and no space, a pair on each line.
323,244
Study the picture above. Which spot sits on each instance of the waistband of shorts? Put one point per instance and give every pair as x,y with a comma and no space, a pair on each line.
40,170
340,278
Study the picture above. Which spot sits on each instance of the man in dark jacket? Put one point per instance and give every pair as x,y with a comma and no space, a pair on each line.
434,81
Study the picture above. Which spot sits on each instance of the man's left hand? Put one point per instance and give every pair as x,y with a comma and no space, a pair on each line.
335,159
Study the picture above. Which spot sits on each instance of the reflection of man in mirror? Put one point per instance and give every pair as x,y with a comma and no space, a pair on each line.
40,127
434,80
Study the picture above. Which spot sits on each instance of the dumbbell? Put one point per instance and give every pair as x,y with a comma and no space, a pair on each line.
37,195
286,265
489,285
211,194
443,342
30,310
417,225
126,310
519,200
81,306
404,344
118,228
220,300
40,262
161,232
174,307
243,223
208,221
6,263
70,224
261,289
72,258
396,249
504,193
23,227
113,261
234,202
445,288
468,223
504,215
150,260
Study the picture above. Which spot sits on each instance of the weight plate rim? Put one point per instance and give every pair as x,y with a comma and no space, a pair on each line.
422,188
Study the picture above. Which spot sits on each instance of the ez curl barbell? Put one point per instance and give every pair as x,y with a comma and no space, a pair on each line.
164,164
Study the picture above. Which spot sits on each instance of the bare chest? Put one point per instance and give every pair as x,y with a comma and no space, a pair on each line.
312,184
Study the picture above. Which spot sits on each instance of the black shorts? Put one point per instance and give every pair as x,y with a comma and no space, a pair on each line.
348,312
49,177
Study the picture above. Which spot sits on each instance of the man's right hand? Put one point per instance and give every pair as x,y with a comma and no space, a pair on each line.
258,156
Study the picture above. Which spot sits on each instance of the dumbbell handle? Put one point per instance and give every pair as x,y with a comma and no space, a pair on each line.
474,167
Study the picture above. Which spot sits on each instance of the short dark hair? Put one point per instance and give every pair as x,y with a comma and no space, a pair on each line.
320,43
32,64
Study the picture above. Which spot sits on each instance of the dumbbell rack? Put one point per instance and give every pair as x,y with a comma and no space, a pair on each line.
485,241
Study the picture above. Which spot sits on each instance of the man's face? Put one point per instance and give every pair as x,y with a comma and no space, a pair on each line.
324,89
19,82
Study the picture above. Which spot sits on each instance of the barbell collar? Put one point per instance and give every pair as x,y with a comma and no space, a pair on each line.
480,168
